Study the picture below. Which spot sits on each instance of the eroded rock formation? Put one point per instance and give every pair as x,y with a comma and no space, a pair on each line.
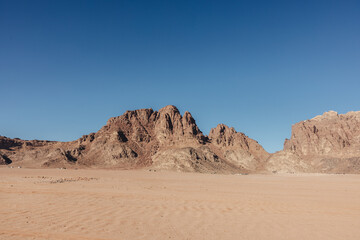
237,148
145,138
167,140
329,143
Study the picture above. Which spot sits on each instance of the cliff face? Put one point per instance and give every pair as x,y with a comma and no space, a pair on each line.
329,134
161,139
326,143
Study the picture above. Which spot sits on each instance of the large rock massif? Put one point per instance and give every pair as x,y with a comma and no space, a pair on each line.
329,143
144,138
167,140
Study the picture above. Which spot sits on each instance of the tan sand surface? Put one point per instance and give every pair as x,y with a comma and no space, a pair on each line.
101,204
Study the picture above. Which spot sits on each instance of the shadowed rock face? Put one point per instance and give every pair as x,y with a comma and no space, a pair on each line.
161,139
4,160
326,143
7,143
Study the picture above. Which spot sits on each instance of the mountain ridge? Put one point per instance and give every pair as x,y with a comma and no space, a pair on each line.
167,140
141,138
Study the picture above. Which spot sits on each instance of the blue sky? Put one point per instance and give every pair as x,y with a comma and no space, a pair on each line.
259,66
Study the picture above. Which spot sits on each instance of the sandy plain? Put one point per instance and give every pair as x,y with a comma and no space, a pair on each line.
103,204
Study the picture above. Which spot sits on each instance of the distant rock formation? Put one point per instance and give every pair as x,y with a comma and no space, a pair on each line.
145,138
329,143
167,140
4,160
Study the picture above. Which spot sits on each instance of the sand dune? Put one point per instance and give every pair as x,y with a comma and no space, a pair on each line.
100,204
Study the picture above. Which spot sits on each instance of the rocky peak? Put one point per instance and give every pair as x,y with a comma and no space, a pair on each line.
226,136
330,133
141,115
326,115
188,119
168,121
190,128
171,110
171,126
166,126
330,114
140,138
238,148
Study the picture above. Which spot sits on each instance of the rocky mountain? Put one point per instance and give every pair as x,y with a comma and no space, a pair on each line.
329,143
167,140
237,148
144,138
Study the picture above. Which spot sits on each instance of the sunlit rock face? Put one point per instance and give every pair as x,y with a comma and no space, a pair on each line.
167,140
325,143
145,138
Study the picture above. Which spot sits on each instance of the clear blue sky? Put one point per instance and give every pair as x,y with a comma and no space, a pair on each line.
259,66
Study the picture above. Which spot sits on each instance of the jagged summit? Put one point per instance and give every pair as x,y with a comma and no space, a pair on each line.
165,139
162,139
169,109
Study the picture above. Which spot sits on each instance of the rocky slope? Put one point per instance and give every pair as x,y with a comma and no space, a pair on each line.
144,138
329,143
237,148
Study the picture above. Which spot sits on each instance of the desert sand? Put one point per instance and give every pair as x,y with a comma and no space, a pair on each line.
139,204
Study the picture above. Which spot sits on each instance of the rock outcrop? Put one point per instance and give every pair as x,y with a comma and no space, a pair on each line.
237,148
145,138
329,143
